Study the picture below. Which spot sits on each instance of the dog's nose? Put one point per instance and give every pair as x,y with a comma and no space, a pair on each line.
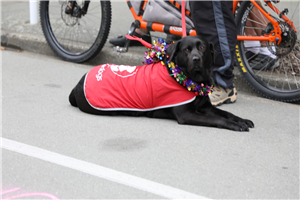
196,58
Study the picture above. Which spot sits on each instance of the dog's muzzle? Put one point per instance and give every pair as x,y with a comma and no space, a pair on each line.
196,59
196,63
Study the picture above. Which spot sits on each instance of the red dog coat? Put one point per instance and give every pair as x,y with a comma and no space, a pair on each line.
134,88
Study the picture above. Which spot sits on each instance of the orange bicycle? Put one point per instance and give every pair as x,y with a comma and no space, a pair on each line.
77,31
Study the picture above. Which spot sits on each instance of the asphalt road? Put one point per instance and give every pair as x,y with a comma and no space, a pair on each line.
52,150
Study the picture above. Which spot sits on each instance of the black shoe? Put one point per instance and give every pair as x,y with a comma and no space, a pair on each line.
170,38
121,40
261,61
250,55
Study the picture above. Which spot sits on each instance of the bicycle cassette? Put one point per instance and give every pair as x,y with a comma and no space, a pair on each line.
288,39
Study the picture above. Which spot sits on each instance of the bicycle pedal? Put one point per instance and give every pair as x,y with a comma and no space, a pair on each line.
120,49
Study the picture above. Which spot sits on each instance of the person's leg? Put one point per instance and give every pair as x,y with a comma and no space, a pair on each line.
214,20
121,40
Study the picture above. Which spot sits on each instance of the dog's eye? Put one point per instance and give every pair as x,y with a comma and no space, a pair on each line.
201,47
187,50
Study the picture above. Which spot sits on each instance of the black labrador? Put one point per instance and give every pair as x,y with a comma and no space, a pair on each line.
195,56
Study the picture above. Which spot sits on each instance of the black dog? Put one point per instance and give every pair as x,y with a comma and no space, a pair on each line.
194,55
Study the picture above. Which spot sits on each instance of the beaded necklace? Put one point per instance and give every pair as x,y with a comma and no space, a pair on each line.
156,54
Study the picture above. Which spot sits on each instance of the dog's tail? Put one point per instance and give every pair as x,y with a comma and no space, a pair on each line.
72,99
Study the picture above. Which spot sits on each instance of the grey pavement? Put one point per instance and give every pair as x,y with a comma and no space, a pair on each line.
16,31
208,162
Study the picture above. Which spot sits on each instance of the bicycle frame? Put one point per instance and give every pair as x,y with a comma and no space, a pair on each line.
274,36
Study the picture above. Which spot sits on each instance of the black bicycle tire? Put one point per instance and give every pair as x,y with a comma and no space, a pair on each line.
253,81
95,48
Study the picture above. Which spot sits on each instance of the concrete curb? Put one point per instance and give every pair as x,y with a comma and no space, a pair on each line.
135,56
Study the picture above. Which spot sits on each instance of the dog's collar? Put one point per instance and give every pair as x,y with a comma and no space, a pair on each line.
189,84
156,54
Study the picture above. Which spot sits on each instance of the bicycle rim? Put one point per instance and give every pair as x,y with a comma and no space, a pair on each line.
272,70
74,36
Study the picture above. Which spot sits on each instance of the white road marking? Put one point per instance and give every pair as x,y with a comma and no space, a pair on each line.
99,171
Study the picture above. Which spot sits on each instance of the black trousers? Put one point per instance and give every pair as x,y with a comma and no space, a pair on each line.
215,21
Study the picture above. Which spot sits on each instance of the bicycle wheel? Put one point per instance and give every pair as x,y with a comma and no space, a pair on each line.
75,37
271,70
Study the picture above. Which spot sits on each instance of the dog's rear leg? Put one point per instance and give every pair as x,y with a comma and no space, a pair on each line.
77,92
72,99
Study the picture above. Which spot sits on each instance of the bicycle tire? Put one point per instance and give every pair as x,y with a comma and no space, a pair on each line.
278,79
73,38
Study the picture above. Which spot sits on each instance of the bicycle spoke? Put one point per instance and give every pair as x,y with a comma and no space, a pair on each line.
256,22
73,33
71,37
272,69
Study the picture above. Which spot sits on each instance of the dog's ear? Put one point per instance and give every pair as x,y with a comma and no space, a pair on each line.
210,62
212,52
210,55
211,81
172,49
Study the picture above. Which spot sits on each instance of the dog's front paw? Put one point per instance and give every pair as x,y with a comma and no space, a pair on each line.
249,123
238,126
243,127
245,122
